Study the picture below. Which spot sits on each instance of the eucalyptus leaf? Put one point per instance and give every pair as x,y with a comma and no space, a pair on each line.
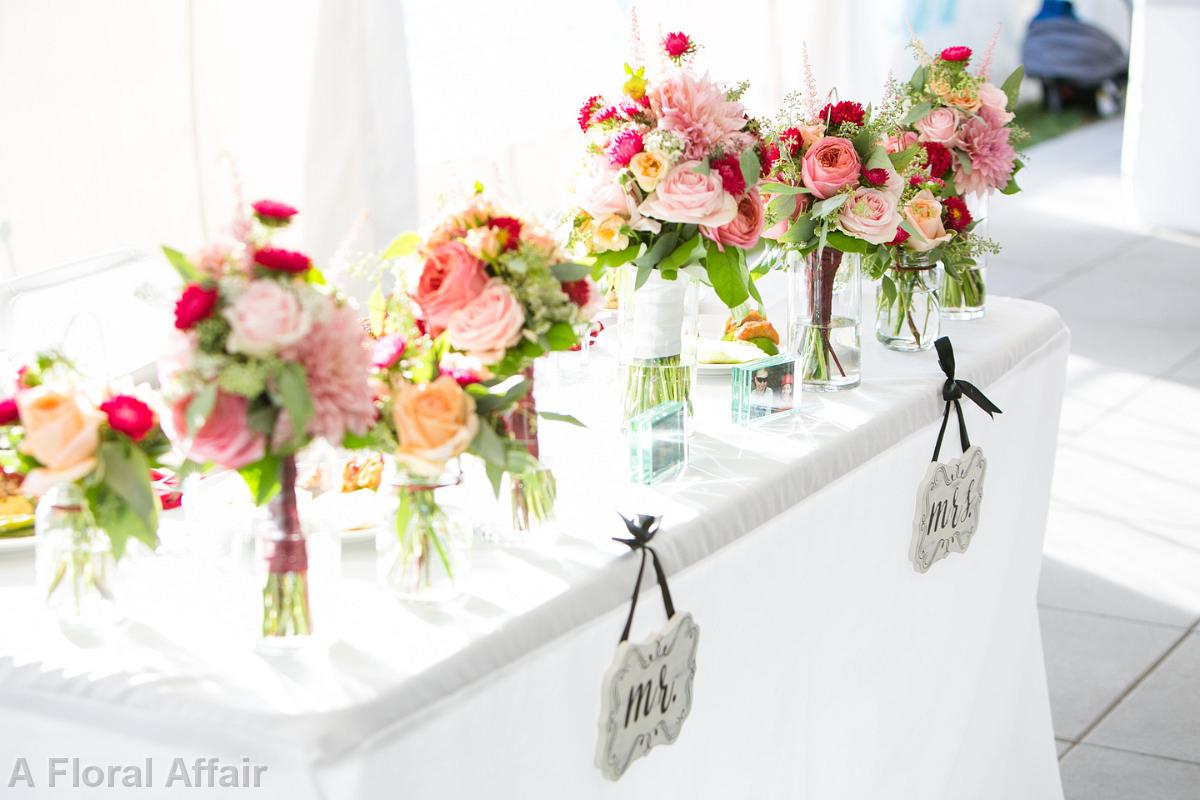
556,417
701,168
775,187
826,207
800,231
781,207
901,159
917,81
1012,87
748,162
127,475
915,113
568,271
488,445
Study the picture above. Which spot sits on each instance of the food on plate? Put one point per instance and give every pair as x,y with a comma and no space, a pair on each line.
717,351
362,472
756,329
16,510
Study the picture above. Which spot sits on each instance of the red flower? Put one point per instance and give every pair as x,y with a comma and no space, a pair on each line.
387,351
8,411
938,158
195,304
25,378
606,114
128,415
510,230
462,375
624,146
876,177
277,259
958,53
770,154
794,141
926,180
677,45
901,236
730,170
272,212
579,291
587,110
835,114
166,486
955,214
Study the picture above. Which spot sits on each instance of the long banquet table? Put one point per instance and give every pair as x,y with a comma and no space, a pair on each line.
827,667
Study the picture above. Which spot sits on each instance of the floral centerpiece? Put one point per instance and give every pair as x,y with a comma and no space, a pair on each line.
965,125
264,359
669,186
88,455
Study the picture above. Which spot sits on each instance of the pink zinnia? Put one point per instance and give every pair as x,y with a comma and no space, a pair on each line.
992,157
697,110
337,364
677,45
958,53
277,259
876,177
624,146
272,212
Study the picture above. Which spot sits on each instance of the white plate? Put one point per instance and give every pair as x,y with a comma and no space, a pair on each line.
716,369
18,544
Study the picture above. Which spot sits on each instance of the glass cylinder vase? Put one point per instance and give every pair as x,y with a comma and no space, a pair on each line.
825,318
657,336
529,494
425,554
74,559
907,311
965,296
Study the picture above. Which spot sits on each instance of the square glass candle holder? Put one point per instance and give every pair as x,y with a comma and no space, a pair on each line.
658,447
764,389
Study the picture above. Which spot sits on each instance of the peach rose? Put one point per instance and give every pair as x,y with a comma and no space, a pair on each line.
901,141
924,212
811,134
829,165
607,234
685,195
265,318
994,106
743,230
62,431
965,100
940,125
434,422
489,324
870,215
648,169
450,279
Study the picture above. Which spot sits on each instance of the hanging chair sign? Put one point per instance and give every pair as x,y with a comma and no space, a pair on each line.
950,495
646,693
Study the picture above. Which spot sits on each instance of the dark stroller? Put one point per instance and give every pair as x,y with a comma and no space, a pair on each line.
1078,64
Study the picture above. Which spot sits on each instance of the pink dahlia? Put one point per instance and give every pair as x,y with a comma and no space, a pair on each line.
992,157
697,110
624,146
337,362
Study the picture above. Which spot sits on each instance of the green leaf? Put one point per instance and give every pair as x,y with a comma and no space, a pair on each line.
765,344
878,158
616,258
127,475
911,229
1012,87
701,168
262,478
377,311
406,244
964,161
917,81
1011,187
863,142
751,169
900,160
781,207
663,245
829,205
495,473
690,252
488,445
567,271
291,388
775,187
643,275
728,274
840,240
561,336
888,287
915,113
800,231
180,262
199,407
315,277
556,417
500,396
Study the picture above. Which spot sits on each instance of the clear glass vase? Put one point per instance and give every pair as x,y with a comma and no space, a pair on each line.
530,494
74,559
425,554
965,296
825,318
657,336
907,310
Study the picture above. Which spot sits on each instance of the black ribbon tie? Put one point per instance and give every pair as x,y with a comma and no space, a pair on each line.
952,391
641,530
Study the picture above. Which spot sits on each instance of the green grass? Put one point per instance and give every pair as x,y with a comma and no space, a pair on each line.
1045,125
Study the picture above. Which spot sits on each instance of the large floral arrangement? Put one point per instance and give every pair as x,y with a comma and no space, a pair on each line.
670,176
264,359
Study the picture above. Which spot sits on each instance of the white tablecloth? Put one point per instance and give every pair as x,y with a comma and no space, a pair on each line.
828,668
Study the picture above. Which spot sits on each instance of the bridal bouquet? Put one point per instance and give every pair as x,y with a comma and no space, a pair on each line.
669,183
264,359
88,455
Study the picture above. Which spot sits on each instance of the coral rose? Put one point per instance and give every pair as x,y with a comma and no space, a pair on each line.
870,215
743,230
225,438
940,125
829,165
434,422
489,324
924,212
62,431
450,279
688,196
265,318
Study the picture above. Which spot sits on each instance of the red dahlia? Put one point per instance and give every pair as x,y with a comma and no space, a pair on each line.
876,177
510,230
955,215
578,291
677,45
624,146
937,157
590,106
195,304
128,415
272,212
794,141
8,411
731,173
958,53
835,114
925,180
770,154
277,259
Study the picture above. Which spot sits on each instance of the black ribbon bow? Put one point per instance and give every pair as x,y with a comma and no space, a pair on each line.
642,530
952,391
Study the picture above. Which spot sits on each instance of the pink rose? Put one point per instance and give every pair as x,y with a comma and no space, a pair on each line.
450,279
781,225
601,195
897,142
225,438
687,196
995,106
870,215
489,324
829,165
265,318
743,230
940,125
924,212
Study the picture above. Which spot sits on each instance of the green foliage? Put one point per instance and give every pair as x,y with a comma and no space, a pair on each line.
616,258
690,251
404,245
568,271
1012,87
561,336
900,160
751,168
915,113
187,271
199,407
765,344
846,243
291,393
120,495
556,417
728,274
826,207
212,334
262,478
